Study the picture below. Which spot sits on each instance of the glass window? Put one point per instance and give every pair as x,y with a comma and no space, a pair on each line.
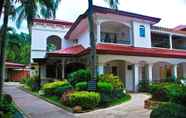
142,31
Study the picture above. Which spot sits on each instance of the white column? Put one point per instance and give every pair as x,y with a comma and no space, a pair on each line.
98,32
175,71
136,77
170,41
150,72
100,69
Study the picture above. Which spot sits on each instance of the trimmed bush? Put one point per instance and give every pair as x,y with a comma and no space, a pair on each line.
60,90
118,93
79,76
166,91
104,87
87,100
81,86
110,78
169,111
52,88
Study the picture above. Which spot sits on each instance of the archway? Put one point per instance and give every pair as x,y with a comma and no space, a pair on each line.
53,43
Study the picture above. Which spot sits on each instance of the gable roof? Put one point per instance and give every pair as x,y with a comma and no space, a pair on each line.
103,10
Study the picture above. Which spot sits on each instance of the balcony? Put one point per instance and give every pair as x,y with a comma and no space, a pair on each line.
114,32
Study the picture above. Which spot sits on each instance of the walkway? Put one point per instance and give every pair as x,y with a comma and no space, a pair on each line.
37,108
33,106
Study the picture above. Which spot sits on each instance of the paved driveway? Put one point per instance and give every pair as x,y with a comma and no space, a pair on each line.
37,108
131,109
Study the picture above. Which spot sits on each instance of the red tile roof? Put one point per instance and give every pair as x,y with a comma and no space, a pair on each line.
56,22
116,49
136,51
14,65
74,50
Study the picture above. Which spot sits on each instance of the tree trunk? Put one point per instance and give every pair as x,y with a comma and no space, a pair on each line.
1,7
92,41
3,45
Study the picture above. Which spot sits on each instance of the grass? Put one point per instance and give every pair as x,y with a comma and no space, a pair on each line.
119,101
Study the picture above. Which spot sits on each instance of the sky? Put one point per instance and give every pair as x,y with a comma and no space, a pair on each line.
172,12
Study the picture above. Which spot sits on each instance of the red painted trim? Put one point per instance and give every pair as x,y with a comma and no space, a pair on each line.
56,22
14,65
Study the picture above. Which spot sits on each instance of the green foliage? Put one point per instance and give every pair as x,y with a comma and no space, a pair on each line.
167,91
104,87
110,78
79,76
87,100
105,90
61,90
32,82
18,48
144,85
55,87
118,93
169,111
81,86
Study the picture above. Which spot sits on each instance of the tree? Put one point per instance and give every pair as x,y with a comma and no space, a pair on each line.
113,4
29,9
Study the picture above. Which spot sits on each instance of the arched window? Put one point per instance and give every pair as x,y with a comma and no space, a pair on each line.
53,43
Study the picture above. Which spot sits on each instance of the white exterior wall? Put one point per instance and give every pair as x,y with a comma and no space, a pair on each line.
40,33
141,41
84,39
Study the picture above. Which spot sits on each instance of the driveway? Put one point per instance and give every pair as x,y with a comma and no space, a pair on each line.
37,108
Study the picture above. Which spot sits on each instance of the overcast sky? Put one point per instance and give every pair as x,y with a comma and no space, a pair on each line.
172,12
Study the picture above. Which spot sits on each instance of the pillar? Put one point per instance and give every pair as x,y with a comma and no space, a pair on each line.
136,77
98,32
170,41
100,69
175,71
63,69
150,72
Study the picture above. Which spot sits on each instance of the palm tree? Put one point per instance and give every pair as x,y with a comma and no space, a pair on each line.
29,9
113,4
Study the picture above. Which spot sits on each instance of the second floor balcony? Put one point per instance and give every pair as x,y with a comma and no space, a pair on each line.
114,32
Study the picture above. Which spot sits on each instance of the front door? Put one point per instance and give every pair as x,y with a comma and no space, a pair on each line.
129,78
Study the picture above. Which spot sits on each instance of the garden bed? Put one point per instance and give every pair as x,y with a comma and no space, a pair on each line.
56,101
151,104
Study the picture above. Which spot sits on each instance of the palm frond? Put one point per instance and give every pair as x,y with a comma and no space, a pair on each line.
113,3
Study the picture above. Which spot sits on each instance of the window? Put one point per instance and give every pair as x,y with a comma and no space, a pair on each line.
142,31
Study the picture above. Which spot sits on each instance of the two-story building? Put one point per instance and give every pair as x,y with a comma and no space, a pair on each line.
128,45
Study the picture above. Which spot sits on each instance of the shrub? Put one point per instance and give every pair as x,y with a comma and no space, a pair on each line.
87,100
81,86
169,111
170,91
32,82
144,85
118,93
51,88
104,87
110,78
160,95
60,90
79,76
